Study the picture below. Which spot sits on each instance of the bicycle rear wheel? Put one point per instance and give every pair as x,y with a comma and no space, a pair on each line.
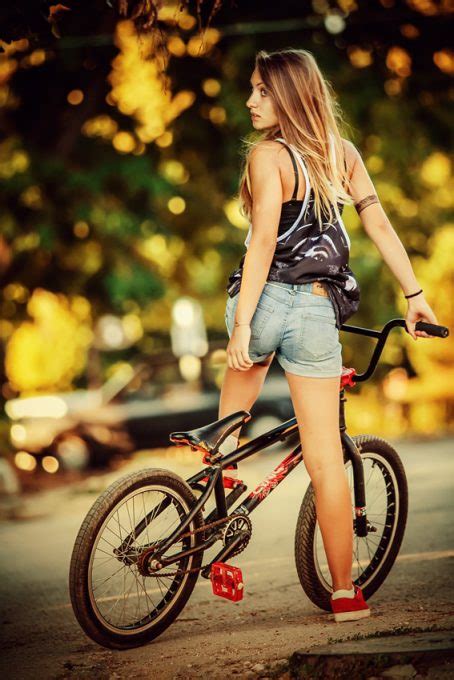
114,604
373,555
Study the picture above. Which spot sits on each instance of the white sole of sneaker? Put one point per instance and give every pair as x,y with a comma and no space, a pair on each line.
351,616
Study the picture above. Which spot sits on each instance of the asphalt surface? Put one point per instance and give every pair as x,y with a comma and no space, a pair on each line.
213,637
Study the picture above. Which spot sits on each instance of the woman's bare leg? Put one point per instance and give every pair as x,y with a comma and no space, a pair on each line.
316,405
240,389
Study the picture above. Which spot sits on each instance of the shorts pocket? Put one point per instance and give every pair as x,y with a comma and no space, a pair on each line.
228,316
262,315
319,336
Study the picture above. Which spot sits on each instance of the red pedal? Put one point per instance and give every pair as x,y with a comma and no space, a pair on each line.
227,581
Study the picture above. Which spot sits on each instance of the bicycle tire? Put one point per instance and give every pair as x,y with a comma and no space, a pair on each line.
308,569
85,610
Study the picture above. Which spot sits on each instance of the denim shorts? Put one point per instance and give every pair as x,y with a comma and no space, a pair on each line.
298,325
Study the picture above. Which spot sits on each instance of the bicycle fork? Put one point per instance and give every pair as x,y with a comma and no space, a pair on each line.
354,456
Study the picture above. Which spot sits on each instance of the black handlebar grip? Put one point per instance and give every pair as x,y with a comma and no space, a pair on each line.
432,329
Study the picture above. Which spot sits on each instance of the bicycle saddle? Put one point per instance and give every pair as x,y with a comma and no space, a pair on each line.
209,437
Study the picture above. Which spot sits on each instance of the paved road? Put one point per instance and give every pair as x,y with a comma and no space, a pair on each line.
40,637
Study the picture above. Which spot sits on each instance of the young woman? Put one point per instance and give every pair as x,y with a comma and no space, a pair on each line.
293,288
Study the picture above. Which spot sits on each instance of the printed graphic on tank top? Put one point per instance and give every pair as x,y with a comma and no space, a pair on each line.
305,254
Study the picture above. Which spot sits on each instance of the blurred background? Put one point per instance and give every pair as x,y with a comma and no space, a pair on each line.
119,224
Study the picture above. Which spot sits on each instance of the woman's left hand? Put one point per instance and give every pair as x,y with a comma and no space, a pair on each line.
419,310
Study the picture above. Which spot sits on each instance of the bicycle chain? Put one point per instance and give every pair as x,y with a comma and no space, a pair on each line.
216,522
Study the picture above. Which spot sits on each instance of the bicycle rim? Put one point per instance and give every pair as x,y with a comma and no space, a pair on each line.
122,599
371,551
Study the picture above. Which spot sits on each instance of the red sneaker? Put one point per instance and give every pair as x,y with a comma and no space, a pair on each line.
350,608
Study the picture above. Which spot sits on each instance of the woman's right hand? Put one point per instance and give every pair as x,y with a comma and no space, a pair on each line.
419,310
238,349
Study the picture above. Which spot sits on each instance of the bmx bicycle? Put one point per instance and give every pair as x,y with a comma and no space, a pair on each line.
139,551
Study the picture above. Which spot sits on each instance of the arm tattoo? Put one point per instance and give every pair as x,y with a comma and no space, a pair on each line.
365,202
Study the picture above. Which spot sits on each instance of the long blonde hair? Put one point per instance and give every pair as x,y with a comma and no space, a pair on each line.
308,115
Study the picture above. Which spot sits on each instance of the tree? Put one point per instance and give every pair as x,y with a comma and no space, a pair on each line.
120,156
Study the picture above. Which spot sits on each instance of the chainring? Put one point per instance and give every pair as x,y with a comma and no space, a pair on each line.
236,525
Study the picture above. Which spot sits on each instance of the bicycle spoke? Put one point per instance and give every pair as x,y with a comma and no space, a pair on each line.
368,549
134,605
114,547
113,532
167,530
147,598
145,519
357,559
108,578
120,525
372,539
370,475
132,531
126,597
105,559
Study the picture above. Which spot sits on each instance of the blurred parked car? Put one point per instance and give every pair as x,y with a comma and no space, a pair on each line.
86,428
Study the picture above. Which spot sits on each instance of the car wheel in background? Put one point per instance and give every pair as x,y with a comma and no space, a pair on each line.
73,452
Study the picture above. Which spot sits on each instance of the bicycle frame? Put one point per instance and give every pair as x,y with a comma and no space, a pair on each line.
259,494
215,478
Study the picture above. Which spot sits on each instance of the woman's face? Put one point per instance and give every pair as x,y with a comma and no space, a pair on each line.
260,104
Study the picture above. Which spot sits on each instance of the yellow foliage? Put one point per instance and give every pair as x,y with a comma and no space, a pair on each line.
436,169
176,205
430,7
12,160
375,163
32,197
124,142
445,61
433,357
140,87
399,61
176,46
174,171
48,352
100,126
359,57
201,45
211,87
164,253
232,211
75,97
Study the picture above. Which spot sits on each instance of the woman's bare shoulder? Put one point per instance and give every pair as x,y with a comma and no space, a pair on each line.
267,149
350,150
352,155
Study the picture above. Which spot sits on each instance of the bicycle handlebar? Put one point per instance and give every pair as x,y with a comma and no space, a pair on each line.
430,328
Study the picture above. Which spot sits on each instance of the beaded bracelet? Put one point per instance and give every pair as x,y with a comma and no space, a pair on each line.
413,294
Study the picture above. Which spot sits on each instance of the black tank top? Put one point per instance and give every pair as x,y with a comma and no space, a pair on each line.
304,253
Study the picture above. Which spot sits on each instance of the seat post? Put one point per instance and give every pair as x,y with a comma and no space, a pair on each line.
219,493
342,400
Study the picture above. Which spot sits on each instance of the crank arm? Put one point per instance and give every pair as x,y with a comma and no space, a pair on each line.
151,554
224,554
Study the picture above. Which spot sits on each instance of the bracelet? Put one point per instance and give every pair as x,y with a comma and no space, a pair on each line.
242,323
413,294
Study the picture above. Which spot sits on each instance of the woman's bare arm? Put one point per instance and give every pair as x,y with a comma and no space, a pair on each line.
266,189
380,230
376,223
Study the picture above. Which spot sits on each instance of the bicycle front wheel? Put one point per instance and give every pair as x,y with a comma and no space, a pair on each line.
374,554
113,602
